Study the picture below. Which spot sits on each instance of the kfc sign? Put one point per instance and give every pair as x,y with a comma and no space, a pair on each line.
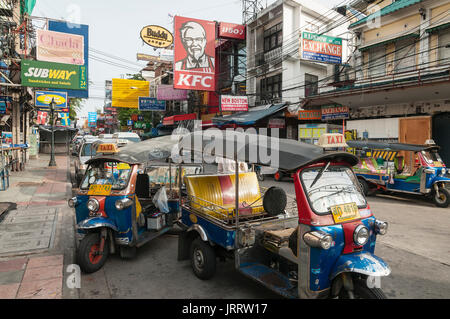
229,103
233,31
194,54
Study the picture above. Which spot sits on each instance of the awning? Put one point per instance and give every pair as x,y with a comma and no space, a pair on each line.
390,40
438,28
179,118
251,117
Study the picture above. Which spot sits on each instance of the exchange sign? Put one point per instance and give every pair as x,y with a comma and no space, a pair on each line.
321,48
53,75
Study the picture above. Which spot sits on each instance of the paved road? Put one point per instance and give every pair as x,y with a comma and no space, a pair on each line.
416,248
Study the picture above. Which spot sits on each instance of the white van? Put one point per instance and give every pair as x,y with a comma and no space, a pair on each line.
132,137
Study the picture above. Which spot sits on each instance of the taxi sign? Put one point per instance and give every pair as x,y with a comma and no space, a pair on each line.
334,140
107,148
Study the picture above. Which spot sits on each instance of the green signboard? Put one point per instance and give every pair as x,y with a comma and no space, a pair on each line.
53,75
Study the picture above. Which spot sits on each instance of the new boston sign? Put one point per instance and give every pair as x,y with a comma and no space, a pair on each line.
53,75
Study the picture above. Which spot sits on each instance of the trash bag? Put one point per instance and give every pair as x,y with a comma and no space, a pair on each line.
160,200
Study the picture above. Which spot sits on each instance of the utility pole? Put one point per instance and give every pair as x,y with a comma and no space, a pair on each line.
250,9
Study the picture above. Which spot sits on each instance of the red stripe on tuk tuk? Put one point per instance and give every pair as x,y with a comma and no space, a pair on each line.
228,192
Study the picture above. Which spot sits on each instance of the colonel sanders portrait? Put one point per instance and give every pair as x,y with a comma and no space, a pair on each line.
193,37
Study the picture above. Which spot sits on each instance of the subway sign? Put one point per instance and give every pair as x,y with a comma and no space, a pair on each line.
53,75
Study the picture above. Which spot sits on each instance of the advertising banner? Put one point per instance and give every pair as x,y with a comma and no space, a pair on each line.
53,75
229,103
277,123
310,115
194,54
321,48
126,93
44,98
151,104
335,113
232,31
156,36
78,29
168,93
92,117
60,47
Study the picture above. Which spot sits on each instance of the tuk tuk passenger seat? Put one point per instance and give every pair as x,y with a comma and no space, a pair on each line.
215,194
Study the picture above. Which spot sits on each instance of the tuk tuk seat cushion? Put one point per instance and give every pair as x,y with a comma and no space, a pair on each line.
215,194
369,165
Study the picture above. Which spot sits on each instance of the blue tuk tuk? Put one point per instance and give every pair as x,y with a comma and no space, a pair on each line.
318,244
402,168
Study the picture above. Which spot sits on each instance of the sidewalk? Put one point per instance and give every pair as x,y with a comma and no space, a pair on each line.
37,239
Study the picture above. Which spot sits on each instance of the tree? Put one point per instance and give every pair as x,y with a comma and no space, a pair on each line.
76,104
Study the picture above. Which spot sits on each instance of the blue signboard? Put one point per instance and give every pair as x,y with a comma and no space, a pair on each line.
4,69
151,104
130,123
44,98
5,102
335,113
79,29
92,117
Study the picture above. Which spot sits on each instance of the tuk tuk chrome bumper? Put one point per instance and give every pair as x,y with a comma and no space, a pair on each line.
363,263
94,223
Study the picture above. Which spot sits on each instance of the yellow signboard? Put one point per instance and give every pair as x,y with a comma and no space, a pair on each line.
100,190
345,212
107,148
126,93
156,36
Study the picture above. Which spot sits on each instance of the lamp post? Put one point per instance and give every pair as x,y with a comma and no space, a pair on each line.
52,150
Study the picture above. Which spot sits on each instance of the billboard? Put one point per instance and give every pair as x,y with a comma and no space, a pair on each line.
335,113
229,103
126,93
194,54
53,75
156,36
232,31
60,47
44,98
168,93
79,29
321,48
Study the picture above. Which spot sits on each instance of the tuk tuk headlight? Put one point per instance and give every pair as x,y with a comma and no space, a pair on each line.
93,205
72,202
443,171
318,239
361,235
122,204
381,227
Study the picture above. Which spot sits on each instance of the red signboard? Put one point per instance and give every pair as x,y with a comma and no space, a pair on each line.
194,54
230,103
233,31
310,115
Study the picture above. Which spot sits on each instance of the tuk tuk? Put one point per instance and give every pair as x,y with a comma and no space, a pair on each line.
402,168
126,198
318,244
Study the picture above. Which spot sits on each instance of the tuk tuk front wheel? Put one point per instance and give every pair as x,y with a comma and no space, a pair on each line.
362,291
203,259
443,199
89,256
364,186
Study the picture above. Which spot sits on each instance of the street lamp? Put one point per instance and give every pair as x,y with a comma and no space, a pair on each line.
52,150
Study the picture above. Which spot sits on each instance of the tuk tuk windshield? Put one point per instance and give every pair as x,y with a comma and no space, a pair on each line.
337,185
431,157
115,174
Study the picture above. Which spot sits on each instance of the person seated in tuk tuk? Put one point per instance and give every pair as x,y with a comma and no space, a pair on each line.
399,162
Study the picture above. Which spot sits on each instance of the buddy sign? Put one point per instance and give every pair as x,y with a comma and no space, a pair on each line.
53,75
156,36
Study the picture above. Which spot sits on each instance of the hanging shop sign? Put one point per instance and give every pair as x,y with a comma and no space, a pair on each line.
5,103
321,48
310,115
194,54
230,103
151,104
52,46
126,93
53,75
156,36
277,123
81,30
168,93
335,113
44,98
232,31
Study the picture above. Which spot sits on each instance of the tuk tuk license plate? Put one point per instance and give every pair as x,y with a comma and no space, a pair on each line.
345,212
100,190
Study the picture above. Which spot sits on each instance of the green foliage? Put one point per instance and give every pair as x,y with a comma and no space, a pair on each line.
76,104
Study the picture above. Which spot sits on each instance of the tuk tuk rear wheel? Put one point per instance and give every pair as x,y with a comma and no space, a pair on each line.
203,259
88,255
443,200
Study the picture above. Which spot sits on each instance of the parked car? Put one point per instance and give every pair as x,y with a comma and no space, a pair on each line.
132,137
85,152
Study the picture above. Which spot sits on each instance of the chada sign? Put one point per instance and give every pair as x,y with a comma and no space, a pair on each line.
230,103
59,47
321,48
44,98
53,75
156,36
194,54
233,31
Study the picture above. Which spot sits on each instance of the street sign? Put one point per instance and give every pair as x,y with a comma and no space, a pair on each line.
130,123
151,104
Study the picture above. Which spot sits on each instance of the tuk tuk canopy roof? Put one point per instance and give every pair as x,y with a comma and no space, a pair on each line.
391,146
283,154
156,149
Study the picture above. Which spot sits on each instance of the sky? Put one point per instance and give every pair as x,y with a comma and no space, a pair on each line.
115,26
